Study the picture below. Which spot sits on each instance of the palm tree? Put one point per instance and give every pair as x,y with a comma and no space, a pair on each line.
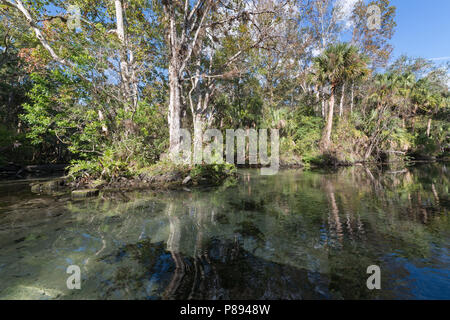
385,86
357,72
426,99
391,94
406,84
336,65
387,89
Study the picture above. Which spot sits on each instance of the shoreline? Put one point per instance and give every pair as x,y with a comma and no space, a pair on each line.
171,180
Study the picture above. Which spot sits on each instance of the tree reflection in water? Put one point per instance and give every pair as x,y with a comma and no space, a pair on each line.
222,268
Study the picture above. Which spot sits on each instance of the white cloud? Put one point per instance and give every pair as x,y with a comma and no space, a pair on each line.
440,59
345,10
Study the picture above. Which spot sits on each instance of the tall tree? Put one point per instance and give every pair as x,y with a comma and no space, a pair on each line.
204,39
333,67
373,29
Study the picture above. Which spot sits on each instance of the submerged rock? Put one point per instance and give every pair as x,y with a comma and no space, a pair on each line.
87,193
47,187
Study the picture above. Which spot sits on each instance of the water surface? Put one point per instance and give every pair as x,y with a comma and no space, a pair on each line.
296,235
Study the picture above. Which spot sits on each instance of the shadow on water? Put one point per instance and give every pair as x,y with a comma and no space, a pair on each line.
296,235
194,265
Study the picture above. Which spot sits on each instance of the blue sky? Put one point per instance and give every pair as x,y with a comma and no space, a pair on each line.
423,29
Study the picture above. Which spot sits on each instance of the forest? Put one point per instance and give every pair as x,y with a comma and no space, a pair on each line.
104,87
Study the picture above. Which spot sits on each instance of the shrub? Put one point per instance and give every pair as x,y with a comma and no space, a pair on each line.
307,136
213,174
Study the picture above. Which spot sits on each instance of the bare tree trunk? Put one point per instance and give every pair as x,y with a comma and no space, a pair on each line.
370,148
324,104
429,127
198,138
353,98
120,20
329,125
133,81
317,93
174,117
341,104
124,72
128,75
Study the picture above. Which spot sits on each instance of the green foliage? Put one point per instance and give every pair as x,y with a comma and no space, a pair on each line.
435,144
56,114
339,63
165,166
307,136
107,167
84,169
15,147
126,157
347,140
213,174
243,109
400,139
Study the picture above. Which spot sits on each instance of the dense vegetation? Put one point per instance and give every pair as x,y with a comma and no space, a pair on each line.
110,95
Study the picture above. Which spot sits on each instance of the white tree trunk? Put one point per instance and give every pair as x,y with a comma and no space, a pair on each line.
174,117
329,125
119,21
174,114
341,104
124,65
353,98
324,106
429,127
198,138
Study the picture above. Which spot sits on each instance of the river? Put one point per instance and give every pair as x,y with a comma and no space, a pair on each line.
296,235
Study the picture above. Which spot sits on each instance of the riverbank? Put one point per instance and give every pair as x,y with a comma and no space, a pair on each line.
163,176
12,170
166,176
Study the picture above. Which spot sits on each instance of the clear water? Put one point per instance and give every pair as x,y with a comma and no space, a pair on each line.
297,235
